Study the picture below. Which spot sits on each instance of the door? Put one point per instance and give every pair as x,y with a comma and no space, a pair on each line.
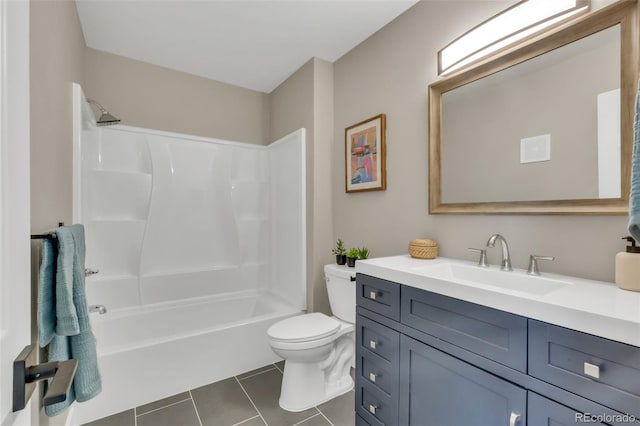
437,389
15,281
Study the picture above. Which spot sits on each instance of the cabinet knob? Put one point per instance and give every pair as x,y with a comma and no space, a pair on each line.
373,408
372,295
373,377
514,418
591,370
372,344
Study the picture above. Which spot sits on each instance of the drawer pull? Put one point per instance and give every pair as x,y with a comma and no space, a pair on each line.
373,408
591,370
373,377
372,344
372,295
514,418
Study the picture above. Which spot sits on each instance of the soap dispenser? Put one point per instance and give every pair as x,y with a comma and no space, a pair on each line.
628,267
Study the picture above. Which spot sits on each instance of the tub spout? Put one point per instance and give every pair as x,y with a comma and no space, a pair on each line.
101,309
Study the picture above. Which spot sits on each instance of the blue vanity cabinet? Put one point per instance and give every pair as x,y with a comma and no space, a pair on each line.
360,421
437,389
545,412
425,359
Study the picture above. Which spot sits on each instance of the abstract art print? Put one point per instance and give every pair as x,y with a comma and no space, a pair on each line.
365,155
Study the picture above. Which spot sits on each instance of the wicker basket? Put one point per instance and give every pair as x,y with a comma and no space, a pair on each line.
423,249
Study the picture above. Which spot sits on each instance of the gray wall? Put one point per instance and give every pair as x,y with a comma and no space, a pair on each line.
149,96
305,99
323,169
389,73
57,60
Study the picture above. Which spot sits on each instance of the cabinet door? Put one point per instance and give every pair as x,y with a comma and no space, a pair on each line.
545,412
437,389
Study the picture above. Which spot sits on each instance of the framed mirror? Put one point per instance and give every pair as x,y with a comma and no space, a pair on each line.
546,127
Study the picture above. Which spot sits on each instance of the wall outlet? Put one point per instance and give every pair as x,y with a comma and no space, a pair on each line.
535,149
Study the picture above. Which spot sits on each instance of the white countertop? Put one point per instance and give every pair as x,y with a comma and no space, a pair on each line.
593,307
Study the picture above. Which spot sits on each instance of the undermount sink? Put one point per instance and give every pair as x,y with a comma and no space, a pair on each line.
516,280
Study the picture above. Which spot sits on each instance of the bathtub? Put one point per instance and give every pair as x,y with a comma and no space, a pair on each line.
152,352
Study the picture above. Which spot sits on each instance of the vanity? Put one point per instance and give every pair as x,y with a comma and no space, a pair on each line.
447,343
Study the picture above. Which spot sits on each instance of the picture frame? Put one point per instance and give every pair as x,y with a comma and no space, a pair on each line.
365,155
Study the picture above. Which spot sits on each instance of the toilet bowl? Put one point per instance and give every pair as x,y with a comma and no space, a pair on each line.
318,350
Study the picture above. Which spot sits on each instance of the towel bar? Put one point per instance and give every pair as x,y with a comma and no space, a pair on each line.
49,236
43,236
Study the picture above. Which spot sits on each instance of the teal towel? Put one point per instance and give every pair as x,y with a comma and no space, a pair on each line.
70,257
62,301
46,295
634,198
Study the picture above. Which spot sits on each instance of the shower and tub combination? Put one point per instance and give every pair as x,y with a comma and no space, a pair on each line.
200,244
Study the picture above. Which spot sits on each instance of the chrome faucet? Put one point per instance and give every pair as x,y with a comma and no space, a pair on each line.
506,258
101,309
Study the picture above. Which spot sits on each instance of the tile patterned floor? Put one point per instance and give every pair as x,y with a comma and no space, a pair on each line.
249,399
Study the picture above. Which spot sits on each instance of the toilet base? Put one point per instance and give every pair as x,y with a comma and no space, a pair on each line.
308,384
304,387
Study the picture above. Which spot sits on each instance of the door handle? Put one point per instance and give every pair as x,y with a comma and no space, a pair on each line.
514,418
26,373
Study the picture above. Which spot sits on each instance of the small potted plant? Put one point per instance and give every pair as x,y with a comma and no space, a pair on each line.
352,256
340,252
363,253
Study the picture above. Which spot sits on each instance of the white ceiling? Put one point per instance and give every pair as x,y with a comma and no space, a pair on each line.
253,44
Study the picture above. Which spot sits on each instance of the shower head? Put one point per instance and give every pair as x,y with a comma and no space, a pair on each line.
105,118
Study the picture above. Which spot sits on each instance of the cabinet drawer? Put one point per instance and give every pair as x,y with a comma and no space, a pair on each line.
376,407
599,369
493,334
377,339
378,372
544,412
378,295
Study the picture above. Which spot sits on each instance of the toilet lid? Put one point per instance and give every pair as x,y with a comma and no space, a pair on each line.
303,328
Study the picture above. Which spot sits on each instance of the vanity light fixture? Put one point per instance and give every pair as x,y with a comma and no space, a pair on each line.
515,23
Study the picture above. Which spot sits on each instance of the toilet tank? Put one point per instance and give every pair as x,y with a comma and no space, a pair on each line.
341,291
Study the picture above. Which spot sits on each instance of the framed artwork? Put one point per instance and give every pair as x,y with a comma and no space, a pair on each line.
365,155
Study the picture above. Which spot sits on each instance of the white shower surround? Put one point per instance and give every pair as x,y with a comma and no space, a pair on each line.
215,216
201,247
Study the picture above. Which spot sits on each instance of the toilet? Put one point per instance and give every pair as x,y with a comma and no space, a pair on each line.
318,350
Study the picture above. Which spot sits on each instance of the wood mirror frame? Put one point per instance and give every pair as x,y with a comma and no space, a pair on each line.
624,13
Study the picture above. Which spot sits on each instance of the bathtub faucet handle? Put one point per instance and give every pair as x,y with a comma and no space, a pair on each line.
88,272
101,309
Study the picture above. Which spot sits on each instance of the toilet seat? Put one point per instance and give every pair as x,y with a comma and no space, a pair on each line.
304,328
